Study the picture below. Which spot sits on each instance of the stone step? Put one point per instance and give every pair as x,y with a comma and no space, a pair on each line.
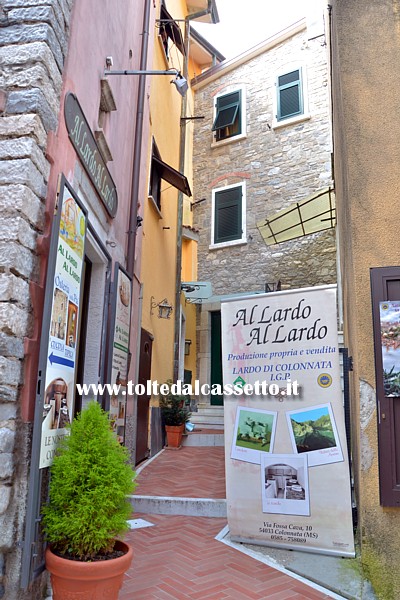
172,505
217,411
203,438
207,420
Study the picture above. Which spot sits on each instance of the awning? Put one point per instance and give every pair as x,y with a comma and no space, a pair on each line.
172,176
314,213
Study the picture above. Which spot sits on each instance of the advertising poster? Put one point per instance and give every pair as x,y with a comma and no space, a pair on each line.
58,404
390,342
287,471
120,351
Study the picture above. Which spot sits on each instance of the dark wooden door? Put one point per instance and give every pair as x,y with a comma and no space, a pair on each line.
385,285
143,402
216,356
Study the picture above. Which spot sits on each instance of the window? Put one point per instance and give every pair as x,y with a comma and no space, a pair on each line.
170,32
160,170
228,222
228,116
155,178
290,95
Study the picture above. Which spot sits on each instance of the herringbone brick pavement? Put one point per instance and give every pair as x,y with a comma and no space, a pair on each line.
191,472
179,559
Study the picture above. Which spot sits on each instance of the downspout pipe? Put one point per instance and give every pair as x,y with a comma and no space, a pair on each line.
137,152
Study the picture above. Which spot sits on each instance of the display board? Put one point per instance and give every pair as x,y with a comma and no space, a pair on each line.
287,471
65,288
122,304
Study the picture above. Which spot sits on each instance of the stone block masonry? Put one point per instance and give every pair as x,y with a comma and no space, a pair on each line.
279,164
33,45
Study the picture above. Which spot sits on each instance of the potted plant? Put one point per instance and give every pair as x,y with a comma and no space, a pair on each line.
87,510
174,416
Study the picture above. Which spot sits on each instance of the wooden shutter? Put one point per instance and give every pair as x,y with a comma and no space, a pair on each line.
228,215
385,285
290,101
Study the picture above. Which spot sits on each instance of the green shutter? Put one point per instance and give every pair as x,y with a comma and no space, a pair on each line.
228,215
228,115
290,95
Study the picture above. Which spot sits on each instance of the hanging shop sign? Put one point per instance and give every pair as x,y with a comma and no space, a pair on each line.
89,154
120,355
287,471
61,339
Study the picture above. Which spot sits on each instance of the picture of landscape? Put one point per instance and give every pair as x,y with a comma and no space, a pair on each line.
72,224
390,342
254,433
314,431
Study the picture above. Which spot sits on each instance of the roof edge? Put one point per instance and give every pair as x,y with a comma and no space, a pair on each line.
228,65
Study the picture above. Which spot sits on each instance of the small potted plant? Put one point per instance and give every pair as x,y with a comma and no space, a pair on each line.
87,510
174,416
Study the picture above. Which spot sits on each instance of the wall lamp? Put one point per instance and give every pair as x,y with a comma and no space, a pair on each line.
180,82
164,308
187,347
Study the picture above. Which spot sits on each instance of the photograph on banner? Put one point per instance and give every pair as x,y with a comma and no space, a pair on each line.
254,433
390,342
59,395
284,484
120,353
313,431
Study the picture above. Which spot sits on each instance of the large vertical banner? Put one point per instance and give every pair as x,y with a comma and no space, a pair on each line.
59,394
122,298
287,471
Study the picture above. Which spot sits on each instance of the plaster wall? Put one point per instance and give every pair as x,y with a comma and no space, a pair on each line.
365,48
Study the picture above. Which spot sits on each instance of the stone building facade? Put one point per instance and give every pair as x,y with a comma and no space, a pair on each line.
33,45
278,158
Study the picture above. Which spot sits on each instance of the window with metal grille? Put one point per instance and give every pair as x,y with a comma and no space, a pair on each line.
228,215
227,122
290,95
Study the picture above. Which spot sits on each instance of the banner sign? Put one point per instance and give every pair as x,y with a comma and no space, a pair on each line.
59,395
120,350
287,471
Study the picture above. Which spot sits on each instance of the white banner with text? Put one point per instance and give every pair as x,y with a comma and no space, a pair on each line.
287,471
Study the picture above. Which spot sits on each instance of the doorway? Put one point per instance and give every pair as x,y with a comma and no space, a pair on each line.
216,357
143,401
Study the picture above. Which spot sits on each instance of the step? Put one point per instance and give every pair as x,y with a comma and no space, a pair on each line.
172,505
216,411
203,438
207,420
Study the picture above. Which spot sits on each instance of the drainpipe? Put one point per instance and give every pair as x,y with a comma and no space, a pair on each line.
182,148
138,143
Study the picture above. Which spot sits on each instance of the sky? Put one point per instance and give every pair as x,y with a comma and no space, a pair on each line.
245,23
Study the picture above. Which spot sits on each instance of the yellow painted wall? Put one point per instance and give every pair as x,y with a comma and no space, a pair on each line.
159,250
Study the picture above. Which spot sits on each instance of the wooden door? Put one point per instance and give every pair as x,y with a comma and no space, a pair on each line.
216,356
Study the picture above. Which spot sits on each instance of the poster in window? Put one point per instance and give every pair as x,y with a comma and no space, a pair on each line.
390,343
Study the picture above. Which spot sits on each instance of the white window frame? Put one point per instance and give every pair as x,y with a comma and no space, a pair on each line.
305,115
239,241
243,110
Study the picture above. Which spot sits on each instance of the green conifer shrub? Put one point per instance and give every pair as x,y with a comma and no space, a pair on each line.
173,408
90,480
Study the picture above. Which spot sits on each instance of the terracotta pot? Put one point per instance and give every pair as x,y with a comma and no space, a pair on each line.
101,580
174,435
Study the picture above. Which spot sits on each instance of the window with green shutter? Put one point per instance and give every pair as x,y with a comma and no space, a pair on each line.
228,215
290,95
227,122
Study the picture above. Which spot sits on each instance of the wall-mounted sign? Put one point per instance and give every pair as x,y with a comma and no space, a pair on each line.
61,337
287,478
88,152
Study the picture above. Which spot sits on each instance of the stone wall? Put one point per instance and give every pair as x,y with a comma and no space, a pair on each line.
33,43
280,166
